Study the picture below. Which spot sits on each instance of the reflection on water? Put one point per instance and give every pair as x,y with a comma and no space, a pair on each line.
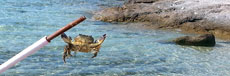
126,51
200,48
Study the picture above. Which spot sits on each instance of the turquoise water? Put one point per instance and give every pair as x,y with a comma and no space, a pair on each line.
126,51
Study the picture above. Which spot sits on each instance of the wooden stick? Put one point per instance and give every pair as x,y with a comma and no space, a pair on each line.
65,28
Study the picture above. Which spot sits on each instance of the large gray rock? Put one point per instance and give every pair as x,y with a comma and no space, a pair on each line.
202,40
196,16
139,1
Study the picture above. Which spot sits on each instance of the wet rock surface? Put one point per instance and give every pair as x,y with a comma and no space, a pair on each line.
196,16
202,40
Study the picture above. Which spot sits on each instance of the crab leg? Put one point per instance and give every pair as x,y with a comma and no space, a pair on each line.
95,54
67,52
97,50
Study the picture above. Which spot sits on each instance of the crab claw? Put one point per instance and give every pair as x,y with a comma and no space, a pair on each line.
65,38
99,42
104,35
102,38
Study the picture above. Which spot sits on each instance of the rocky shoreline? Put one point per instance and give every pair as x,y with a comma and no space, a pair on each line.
190,16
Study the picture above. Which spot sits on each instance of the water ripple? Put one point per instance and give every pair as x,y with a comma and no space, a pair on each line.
126,51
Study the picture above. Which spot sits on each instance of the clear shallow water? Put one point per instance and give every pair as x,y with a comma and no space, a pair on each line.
126,51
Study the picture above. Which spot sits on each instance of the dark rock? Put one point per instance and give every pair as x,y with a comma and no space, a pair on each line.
202,40
191,16
139,1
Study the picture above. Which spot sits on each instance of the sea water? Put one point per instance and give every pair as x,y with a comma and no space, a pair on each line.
126,50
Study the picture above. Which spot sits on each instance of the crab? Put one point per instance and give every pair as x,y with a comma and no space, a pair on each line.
81,43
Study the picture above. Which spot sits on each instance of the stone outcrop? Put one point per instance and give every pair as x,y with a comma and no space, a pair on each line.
202,40
196,16
139,1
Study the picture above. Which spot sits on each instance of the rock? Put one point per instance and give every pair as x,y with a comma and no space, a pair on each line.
139,1
202,40
191,16
112,15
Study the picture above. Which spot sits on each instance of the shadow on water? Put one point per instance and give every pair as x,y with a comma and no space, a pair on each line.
225,43
198,48
167,41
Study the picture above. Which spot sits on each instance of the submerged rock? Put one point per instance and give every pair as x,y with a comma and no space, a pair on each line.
202,40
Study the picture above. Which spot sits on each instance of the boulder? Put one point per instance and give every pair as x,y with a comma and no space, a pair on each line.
202,40
191,16
139,1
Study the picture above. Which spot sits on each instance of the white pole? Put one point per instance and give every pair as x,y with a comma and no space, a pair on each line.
23,54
